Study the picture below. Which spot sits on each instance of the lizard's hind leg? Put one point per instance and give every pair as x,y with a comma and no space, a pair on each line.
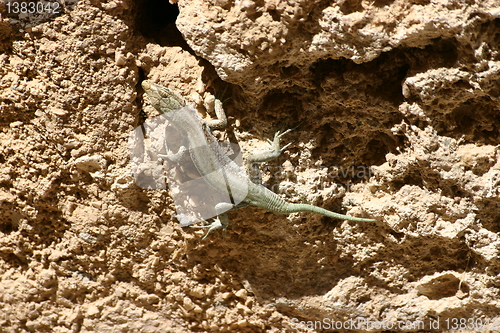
221,221
254,160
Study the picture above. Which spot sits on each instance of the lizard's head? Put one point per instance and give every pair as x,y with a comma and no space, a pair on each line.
162,98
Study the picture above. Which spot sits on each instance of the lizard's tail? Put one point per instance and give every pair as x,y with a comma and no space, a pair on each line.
296,208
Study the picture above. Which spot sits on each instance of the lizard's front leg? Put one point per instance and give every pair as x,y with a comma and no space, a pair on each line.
221,120
175,157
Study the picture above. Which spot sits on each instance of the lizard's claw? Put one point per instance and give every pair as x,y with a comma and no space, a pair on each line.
216,224
286,146
279,133
275,143
220,222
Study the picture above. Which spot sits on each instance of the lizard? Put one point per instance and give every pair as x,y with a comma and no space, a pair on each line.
216,167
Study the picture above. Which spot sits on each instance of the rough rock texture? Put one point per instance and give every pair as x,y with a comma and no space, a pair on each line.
399,110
